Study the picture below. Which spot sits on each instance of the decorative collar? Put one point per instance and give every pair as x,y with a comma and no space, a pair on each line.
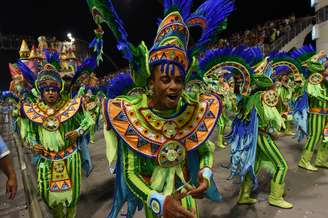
146,132
51,118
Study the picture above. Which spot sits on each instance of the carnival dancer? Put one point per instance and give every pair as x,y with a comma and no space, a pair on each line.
217,83
316,103
256,123
161,138
53,125
287,73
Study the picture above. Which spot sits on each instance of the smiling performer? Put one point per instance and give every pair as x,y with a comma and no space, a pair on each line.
161,138
52,126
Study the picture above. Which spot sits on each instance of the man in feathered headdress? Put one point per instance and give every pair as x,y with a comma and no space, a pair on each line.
161,138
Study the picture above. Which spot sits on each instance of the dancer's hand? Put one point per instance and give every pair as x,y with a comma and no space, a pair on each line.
11,186
173,209
72,136
201,189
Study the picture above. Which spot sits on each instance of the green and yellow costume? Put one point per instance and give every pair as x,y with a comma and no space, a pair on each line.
59,164
157,147
161,152
317,91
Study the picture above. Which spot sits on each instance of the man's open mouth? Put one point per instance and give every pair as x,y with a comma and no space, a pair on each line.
173,97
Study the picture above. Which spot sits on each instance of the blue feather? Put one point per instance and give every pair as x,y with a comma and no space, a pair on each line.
122,193
27,73
243,141
119,84
183,6
8,94
240,53
120,32
97,44
306,49
52,57
257,55
212,13
300,114
88,65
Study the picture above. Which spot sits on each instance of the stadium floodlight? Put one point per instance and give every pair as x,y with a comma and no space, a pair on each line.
70,37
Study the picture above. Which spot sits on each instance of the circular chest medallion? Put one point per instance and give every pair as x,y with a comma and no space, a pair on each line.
171,154
270,98
315,78
169,129
51,123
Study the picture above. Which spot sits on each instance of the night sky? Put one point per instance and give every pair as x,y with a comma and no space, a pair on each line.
57,18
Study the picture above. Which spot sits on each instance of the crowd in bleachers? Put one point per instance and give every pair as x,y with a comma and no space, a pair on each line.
260,35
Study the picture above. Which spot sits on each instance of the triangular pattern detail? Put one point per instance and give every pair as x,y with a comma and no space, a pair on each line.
121,116
141,142
58,157
209,114
193,137
71,108
55,187
202,127
183,141
65,186
130,131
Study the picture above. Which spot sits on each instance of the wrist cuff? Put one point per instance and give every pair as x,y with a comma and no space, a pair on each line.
80,131
156,203
207,174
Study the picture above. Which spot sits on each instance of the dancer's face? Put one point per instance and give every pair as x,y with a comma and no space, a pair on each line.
50,95
167,88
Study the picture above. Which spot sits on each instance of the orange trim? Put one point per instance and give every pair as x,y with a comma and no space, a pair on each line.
194,132
318,110
34,113
52,154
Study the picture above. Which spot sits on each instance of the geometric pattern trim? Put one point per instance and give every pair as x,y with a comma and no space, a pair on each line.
191,127
37,115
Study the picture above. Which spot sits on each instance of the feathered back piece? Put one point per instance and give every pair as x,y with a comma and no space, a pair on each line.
303,54
211,16
87,66
28,74
282,64
236,60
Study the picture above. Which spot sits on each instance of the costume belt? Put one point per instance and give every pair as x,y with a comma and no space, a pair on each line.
318,110
53,155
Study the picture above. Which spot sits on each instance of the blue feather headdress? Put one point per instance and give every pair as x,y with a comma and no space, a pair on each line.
52,57
87,66
210,16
